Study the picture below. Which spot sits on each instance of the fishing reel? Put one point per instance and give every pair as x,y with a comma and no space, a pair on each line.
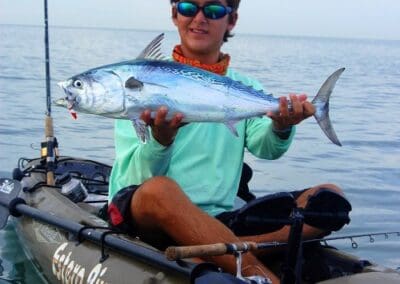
256,279
205,273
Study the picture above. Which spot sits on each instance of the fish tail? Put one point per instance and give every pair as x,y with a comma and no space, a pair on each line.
321,103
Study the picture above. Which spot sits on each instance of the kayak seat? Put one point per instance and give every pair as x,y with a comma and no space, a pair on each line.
326,210
262,215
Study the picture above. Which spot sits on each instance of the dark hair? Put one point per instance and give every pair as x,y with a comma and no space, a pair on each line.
234,4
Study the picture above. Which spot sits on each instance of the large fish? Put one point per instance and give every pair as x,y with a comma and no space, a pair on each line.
124,90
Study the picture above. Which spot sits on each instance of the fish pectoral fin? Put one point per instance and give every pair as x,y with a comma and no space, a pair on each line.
133,83
141,129
231,126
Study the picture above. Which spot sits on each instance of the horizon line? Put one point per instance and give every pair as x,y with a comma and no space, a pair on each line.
170,31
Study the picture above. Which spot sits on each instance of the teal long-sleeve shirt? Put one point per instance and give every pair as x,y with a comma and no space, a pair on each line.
205,159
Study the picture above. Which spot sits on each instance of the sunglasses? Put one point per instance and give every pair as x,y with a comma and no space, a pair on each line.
213,11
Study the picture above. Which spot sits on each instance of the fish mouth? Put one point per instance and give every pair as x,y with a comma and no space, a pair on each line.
70,100
70,106
65,102
70,103
62,102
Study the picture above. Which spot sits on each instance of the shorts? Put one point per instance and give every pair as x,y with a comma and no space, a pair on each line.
120,218
119,213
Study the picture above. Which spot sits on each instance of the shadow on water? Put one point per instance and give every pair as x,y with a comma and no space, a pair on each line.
15,266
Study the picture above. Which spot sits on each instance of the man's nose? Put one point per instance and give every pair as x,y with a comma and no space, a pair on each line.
200,16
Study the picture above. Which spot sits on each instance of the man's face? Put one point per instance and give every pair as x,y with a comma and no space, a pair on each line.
200,35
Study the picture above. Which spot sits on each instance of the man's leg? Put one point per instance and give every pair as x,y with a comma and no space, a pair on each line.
159,205
309,232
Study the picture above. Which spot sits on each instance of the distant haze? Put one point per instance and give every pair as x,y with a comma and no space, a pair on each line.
376,19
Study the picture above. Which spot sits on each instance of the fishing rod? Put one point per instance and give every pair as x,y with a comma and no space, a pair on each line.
180,252
291,270
354,244
49,148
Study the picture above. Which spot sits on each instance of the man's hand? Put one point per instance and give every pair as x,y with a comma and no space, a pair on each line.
300,110
163,130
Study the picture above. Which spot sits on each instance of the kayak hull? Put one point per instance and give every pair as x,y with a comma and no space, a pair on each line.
62,259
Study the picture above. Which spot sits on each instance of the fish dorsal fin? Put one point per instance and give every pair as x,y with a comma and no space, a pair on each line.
152,50
133,83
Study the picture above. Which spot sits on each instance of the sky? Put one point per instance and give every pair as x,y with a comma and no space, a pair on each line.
375,19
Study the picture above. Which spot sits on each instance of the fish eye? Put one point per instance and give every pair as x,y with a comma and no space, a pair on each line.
77,84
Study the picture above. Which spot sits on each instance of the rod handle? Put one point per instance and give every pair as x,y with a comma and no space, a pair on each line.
49,126
179,252
50,153
50,178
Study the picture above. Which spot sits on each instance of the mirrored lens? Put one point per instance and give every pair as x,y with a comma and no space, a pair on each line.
187,9
214,11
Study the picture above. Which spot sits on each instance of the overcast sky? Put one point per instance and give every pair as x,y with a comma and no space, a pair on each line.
377,19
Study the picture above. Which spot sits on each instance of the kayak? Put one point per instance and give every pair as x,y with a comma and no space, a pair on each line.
70,240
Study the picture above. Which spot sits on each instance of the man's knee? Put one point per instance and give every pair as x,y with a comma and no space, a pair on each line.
329,186
155,198
307,194
159,186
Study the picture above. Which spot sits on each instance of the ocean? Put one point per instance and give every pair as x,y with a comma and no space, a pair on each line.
364,111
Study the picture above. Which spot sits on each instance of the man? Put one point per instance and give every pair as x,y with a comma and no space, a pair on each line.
177,185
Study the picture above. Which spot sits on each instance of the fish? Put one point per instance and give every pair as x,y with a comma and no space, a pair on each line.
124,90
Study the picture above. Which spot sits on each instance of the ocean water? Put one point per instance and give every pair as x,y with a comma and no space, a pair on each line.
364,111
